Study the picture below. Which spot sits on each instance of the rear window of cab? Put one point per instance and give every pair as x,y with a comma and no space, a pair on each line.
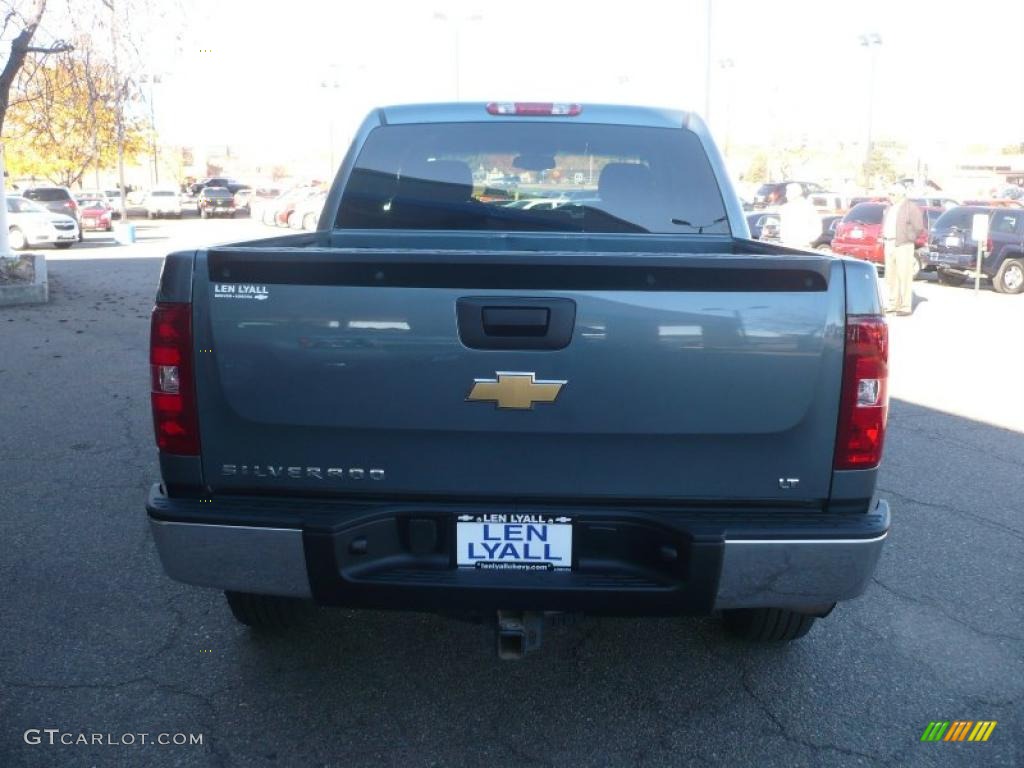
534,177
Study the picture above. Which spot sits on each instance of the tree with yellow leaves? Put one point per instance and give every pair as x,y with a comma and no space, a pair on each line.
64,121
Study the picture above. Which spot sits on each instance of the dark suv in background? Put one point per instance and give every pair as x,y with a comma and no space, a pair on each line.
231,185
56,199
954,254
215,201
774,193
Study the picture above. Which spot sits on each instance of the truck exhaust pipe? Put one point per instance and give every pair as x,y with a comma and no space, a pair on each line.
519,632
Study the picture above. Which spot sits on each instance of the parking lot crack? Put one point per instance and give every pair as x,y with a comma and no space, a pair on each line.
958,510
938,606
961,443
785,734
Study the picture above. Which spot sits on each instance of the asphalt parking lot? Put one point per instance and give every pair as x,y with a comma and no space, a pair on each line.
96,640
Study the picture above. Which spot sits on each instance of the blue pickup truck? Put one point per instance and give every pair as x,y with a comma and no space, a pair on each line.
446,399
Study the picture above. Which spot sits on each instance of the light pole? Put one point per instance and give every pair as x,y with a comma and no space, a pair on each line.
328,86
707,65
872,41
727,66
153,80
119,100
457,23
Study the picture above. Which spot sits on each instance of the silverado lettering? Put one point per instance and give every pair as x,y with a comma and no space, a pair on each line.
315,473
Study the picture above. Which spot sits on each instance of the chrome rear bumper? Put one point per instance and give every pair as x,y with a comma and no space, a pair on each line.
784,573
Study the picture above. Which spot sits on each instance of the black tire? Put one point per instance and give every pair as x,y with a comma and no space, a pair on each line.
266,612
951,278
63,246
767,625
1010,277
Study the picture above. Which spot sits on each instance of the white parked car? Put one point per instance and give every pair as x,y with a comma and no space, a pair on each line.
162,202
30,224
307,212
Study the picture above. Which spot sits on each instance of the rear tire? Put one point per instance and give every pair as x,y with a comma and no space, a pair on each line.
265,612
1010,277
767,625
951,278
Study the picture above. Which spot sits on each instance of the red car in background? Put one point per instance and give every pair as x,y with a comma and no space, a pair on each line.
96,214
859,234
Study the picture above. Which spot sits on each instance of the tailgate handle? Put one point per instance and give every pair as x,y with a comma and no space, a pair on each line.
505,322
516,321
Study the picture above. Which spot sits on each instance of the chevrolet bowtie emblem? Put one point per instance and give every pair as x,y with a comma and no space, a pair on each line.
515,390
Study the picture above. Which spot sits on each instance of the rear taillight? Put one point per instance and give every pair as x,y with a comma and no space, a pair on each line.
864,402
533,109
173,388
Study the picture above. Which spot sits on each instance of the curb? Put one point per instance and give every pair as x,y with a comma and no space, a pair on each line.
36,292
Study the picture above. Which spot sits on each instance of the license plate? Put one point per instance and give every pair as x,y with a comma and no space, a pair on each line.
856,234
952,241
514,542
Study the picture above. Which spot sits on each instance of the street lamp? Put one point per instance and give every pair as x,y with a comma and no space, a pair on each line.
153,80
727,66
872,41
331,84
457,23
707,65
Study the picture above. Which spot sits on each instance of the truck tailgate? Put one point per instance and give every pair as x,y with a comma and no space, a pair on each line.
345,371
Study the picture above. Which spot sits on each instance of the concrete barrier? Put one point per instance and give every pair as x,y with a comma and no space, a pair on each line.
36,291
124,232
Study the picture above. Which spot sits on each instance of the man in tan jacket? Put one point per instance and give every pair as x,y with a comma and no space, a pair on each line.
901,226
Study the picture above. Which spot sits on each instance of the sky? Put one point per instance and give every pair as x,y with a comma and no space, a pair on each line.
248,73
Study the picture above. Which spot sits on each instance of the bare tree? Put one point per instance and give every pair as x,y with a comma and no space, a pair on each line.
21,50
21,47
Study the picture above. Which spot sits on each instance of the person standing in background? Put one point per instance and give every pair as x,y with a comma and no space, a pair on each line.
799,223
902,224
